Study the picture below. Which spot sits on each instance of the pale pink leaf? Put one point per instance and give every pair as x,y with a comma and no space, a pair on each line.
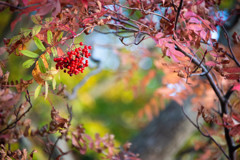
189,14
210,63
203,35
236,87
194,20
195,27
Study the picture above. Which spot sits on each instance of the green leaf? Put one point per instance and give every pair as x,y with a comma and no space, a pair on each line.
54,84
60,36
14,39
25,31
49,37
41,65
37,91
28,63
36,19
48,19
39,44
48,58
36,29
46,89
54,51
29,53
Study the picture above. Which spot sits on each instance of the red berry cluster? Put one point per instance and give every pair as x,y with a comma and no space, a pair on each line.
75,61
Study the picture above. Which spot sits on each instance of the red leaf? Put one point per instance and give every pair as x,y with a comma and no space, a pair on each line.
25,2
236,87
232,69
57,8
232,76
36,1
85,3
236,116
45,9
235,130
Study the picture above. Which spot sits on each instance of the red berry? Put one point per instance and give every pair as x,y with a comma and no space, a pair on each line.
81,43
89,47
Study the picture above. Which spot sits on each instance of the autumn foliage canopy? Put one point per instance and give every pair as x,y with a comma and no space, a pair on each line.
186,53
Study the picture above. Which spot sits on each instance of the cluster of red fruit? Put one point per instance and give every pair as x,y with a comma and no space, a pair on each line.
74,61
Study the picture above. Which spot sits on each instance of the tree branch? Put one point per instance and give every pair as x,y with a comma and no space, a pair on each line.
178,13
230,47
13,124
204,134
223,101
145,11
208,75
10,5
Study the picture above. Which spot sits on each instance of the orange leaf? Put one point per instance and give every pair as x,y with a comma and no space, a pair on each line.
36,73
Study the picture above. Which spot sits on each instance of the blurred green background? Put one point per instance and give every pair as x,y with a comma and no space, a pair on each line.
106,103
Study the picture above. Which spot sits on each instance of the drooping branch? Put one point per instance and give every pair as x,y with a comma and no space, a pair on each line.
197,126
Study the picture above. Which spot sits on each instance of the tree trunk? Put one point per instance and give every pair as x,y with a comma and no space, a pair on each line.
163,137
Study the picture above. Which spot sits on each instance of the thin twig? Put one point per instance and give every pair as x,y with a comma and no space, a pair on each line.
174,7
13,124
208,75
230,47
55,144
116,33
145,12
205,53
82,82
204,134
178,13
10,5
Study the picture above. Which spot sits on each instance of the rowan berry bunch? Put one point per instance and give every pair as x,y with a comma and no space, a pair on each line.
75,61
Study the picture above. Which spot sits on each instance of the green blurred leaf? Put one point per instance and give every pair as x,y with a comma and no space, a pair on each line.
54,51
48,58
46,89
29,53
28,63
14,39
36,29
25,31
41,65
37,91
54,84
36,19
48,19
60,36
39,44
49,37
